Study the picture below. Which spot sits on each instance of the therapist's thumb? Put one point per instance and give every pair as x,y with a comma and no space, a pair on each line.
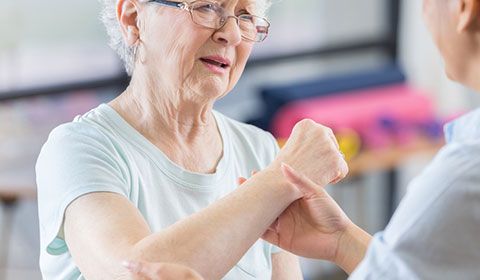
301,182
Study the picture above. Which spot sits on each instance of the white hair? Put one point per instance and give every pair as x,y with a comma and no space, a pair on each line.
116,41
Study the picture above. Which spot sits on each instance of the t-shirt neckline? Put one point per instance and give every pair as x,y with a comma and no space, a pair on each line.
175,172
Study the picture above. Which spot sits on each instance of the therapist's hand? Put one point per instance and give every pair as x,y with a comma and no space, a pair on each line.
160,271
312,225
312,149
315,226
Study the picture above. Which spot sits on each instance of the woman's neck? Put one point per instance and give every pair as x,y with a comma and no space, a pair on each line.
185,132
173,112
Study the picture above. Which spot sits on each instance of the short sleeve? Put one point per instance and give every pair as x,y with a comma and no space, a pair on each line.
274,148
77,159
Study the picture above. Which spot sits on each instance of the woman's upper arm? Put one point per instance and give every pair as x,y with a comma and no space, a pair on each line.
101,230
285,266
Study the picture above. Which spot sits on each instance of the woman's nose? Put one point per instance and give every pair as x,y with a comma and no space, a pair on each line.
229,33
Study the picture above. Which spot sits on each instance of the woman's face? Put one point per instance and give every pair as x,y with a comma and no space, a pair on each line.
443,19
184,55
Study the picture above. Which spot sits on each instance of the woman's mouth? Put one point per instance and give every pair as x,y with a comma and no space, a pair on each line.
216,64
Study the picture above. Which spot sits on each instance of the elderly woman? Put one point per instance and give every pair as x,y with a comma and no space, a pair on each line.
435,232
152,175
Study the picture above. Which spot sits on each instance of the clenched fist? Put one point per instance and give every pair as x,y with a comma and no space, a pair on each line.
313,150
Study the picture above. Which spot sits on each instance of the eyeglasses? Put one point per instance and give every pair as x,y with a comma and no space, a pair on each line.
211,15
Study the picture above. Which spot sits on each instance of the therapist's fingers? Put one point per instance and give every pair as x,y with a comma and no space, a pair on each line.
305,185
271,237
274,226
241,180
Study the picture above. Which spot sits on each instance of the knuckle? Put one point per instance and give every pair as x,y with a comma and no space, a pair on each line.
342,168
306,123
191,275
159,270
339,164
325,131
345,169
302,127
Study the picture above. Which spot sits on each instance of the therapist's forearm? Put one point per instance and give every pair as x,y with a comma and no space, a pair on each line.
352,247
214,239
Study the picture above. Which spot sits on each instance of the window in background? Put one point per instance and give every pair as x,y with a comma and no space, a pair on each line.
62,42
305,25
51,43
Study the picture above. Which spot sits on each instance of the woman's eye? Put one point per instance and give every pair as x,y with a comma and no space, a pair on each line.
207,8
247,18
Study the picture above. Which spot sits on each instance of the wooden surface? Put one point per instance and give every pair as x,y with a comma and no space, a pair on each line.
389,158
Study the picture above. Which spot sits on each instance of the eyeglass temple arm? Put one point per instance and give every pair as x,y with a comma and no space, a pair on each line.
180,5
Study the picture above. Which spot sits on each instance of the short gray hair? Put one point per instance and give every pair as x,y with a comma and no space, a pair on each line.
108,16
117,43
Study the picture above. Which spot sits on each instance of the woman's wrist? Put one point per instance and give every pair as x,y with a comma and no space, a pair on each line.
352,247
272,178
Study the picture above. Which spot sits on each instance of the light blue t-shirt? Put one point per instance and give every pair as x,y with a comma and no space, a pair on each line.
435,232
101,152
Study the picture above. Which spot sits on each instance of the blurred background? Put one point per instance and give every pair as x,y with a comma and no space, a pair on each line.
366,68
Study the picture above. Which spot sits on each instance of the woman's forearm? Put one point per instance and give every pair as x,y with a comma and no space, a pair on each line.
214,239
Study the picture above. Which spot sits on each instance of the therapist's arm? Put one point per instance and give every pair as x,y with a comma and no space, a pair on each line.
103,229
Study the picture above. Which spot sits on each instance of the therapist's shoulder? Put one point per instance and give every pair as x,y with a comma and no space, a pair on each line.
458,165
459,156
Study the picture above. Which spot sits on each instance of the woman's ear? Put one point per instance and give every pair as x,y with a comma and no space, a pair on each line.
127,15
468,14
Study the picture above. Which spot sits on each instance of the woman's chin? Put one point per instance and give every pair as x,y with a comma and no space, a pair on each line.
212,89
214,86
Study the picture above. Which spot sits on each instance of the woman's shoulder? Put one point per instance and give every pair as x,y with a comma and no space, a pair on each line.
76,131
249,141
244,129
85,132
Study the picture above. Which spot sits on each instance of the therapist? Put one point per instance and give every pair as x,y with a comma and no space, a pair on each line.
435,232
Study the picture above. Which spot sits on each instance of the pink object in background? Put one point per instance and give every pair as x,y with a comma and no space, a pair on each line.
364,111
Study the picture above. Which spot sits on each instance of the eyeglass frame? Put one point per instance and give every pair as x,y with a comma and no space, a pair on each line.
187,7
